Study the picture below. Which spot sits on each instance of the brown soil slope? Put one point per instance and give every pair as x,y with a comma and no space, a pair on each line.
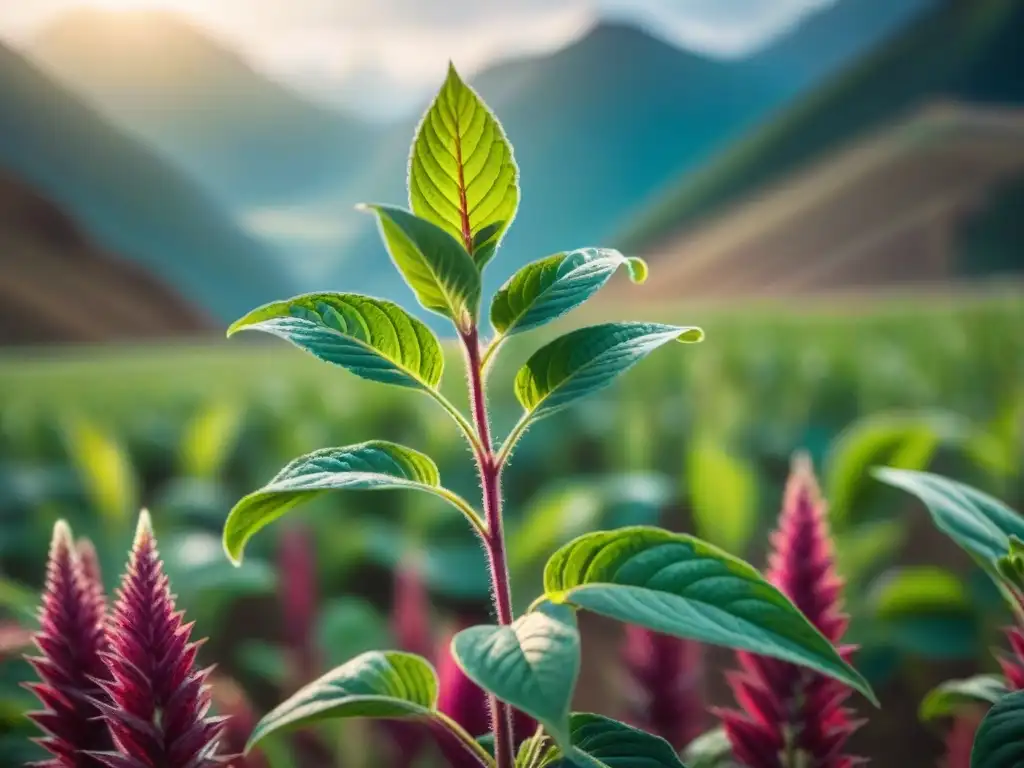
56,286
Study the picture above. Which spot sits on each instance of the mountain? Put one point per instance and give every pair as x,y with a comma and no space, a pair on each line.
247,138
602,125
132,202
965,50
57,285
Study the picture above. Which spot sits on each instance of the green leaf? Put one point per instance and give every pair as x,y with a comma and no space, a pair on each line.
547,289
369,466
209,438
531,664
979,523
562,512
462,176
947,699
587,360
437,268
372,338
602,742
723,495
378,684
105,468
924,610
863,548
999,742
710,750
682,586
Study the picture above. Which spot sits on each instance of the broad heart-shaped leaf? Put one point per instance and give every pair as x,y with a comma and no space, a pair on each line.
601,742
372,338
379,684
682,586
999,742
946,699
587,360
369,466
547,289
979,523
462,176
531,664
434,264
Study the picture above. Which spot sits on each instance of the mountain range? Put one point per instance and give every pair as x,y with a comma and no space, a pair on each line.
176,127
960,50
128,198
58,286
248,139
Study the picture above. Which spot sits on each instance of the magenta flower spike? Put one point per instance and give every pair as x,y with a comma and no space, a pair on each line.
160,702
960,741
70,641
297,577
790,717
92,578
667,685
1013,662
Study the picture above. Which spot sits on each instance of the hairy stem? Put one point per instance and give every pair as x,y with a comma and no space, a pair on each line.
494,541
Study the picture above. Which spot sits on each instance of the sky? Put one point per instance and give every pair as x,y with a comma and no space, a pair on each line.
382,56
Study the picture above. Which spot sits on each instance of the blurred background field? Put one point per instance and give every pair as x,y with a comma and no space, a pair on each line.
832,190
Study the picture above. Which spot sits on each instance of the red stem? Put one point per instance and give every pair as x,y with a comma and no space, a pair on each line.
494,542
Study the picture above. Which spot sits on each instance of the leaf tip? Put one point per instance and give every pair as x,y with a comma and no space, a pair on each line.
638,269
690,335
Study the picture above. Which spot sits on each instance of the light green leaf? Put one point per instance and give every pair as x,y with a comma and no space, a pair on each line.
531,664
947,699
105,468
865,547
387,685
562,512
208,439
723,495
979,523
682,586
372,338
369,466
899,440
587,360
434,264
710,750
462,176
999,742
601,742
547,289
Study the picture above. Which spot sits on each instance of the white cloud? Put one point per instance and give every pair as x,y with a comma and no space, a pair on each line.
384,56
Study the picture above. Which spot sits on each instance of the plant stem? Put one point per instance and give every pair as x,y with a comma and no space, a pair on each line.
494,542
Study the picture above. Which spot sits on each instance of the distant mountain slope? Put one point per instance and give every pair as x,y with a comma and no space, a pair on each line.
247,138
968,50
603,125
129,199
58,286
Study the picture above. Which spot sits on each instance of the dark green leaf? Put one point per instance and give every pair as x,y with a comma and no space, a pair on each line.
547,289
976,521
679,585
600,742
437,268
378,684
531,664
999,742
374,465
947,699
462,176
372,338
587,360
